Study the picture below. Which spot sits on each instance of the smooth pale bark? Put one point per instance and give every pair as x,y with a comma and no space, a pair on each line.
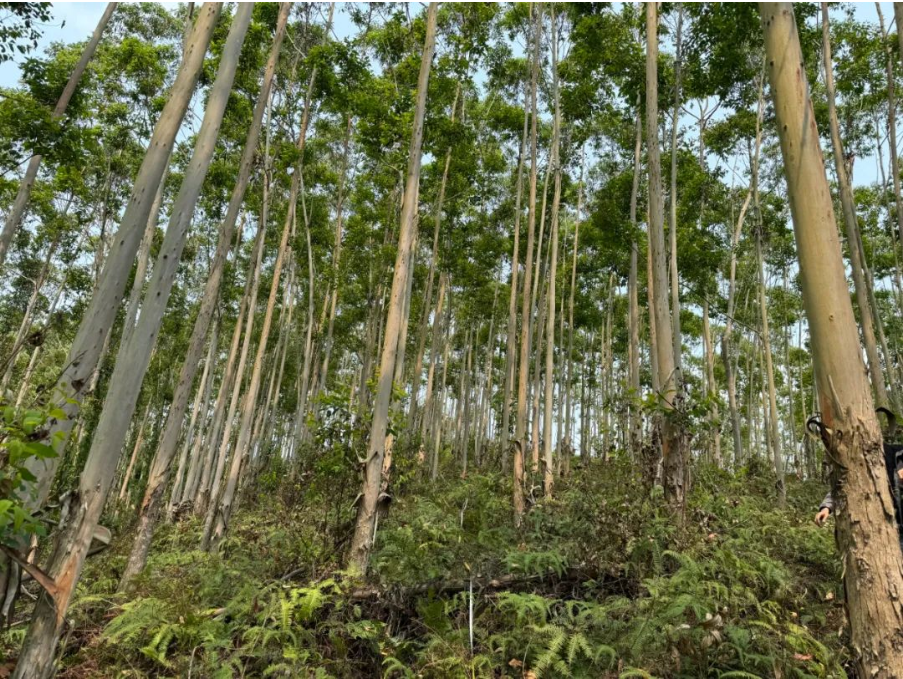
633,303
726,341
139,440
673,439
538,308
93,331
892,120
523,375
434,258
569,410
365,524
336,257
74,539
511,334
848,205
676,337
14,219
195,427
434,356
773,434
131,314
220,511
548,476
866,529
711,386
160,468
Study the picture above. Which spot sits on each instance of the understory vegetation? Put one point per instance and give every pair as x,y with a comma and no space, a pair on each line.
598,582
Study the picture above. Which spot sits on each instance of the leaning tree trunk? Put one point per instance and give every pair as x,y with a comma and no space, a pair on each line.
14,219
866,529
90,340
77,529
866,314
673,439
160,468
365,525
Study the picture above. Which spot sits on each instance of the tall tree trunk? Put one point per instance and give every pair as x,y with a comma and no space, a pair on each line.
511,334
548,476
569,410
848,204
14,219
93,331
633,303
676,337
365,525
520,427
336,257
160,469
892,121
77,529
195,426
434,258
866,529
773,434
673,439
711,386
220,511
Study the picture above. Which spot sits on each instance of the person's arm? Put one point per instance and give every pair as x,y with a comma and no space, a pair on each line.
824,509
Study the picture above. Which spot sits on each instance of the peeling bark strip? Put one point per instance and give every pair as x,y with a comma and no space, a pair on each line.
77,529
866,530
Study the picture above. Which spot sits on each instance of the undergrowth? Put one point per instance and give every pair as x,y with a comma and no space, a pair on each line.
598,582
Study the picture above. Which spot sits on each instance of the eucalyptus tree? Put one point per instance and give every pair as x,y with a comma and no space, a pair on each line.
365,524
866,530
74,538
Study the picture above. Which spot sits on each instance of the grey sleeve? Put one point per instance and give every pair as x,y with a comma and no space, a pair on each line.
827,503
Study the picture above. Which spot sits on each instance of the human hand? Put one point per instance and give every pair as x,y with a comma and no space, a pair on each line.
822,516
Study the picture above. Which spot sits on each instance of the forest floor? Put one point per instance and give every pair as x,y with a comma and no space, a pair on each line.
598,582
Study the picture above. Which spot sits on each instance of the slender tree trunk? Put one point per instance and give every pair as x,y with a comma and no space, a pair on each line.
160,469
77,529
14,219
633,304
548,476
434,258
712,387
773,434
676,337
520,429
139,440
673,439
511,334
336,257
892,121
852,227
866,530
365,526
93,331
220,511
195,427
